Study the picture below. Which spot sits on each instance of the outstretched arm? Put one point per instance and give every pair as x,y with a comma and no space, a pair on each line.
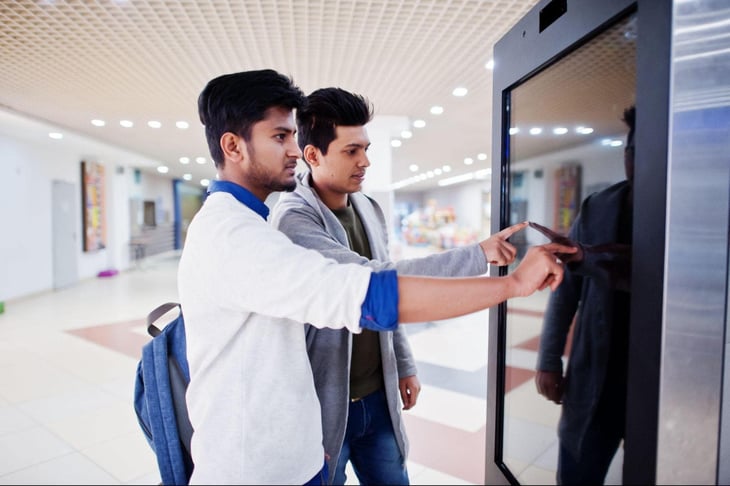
431,299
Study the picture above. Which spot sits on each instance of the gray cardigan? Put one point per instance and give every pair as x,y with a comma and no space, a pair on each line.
305,219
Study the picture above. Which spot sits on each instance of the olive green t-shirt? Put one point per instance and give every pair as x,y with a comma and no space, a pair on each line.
366,370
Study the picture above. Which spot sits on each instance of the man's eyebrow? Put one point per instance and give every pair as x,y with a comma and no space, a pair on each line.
285,129
355,144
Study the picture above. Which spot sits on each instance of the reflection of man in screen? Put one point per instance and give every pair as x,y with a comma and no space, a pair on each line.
595,286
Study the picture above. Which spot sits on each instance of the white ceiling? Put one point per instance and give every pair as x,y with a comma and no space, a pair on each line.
70,61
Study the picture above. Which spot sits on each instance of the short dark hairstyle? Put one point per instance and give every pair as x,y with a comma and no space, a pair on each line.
234,102
326,109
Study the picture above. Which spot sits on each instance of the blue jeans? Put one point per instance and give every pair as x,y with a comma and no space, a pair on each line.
370,444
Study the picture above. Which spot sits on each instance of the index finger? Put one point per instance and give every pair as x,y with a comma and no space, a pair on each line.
510,230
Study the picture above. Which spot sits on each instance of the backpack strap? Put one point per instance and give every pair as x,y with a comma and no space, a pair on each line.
153,316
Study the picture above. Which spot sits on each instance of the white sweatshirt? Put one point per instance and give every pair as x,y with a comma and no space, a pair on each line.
245,290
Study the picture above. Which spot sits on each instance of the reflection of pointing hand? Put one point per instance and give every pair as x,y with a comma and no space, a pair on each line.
563,240
497,249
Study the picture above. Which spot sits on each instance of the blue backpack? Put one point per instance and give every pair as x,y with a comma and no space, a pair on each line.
159,396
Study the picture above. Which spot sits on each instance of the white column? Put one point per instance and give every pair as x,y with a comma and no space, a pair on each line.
380,174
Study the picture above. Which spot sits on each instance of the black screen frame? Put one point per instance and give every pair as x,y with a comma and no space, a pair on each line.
522,53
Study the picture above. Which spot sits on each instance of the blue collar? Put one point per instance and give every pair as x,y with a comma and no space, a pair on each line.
243,195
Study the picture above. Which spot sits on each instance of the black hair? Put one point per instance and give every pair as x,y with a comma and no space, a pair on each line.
234,102
326,109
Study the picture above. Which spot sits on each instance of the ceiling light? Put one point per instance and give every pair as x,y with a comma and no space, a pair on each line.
184,160
187,177
446,168
182,125
98,123
535,131
489,64
126,123
56,135
200,160
437,171
460,91
403,183
429,174
468,161
154,124
482,156
413,168
560,130
456,179
419,123
204,182
437,110
584,130
395,142
514,131
163,169
406,134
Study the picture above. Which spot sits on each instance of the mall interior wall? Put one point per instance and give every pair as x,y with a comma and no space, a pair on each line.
30,162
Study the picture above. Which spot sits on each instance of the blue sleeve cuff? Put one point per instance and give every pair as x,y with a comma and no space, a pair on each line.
380,308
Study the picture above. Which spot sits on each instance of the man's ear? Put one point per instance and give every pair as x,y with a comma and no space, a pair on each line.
232,146
311,155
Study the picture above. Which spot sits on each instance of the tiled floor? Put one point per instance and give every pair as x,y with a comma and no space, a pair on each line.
67,369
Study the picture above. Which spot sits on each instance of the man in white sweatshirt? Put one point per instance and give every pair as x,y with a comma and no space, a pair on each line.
246,289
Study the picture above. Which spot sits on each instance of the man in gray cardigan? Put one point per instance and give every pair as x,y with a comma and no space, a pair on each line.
364,374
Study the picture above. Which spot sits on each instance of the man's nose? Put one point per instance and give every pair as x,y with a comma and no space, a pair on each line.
294,151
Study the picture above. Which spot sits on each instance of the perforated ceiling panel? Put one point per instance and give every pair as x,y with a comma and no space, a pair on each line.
70,61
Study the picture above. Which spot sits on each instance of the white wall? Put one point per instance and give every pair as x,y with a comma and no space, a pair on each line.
29,162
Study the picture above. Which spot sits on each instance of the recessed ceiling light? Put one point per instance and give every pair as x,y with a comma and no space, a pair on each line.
56,135
98,123
446,168
396,143
187,177
182,125
163,169
584,130
200,160
560,130
460,91
514,131
482,156
154,124
489,64
429,174
413,168
126,123
205,182
437,171
535,131
468,161
419,123
406,134
184,160
437,110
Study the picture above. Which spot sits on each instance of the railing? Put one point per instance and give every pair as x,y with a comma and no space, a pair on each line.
152,240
